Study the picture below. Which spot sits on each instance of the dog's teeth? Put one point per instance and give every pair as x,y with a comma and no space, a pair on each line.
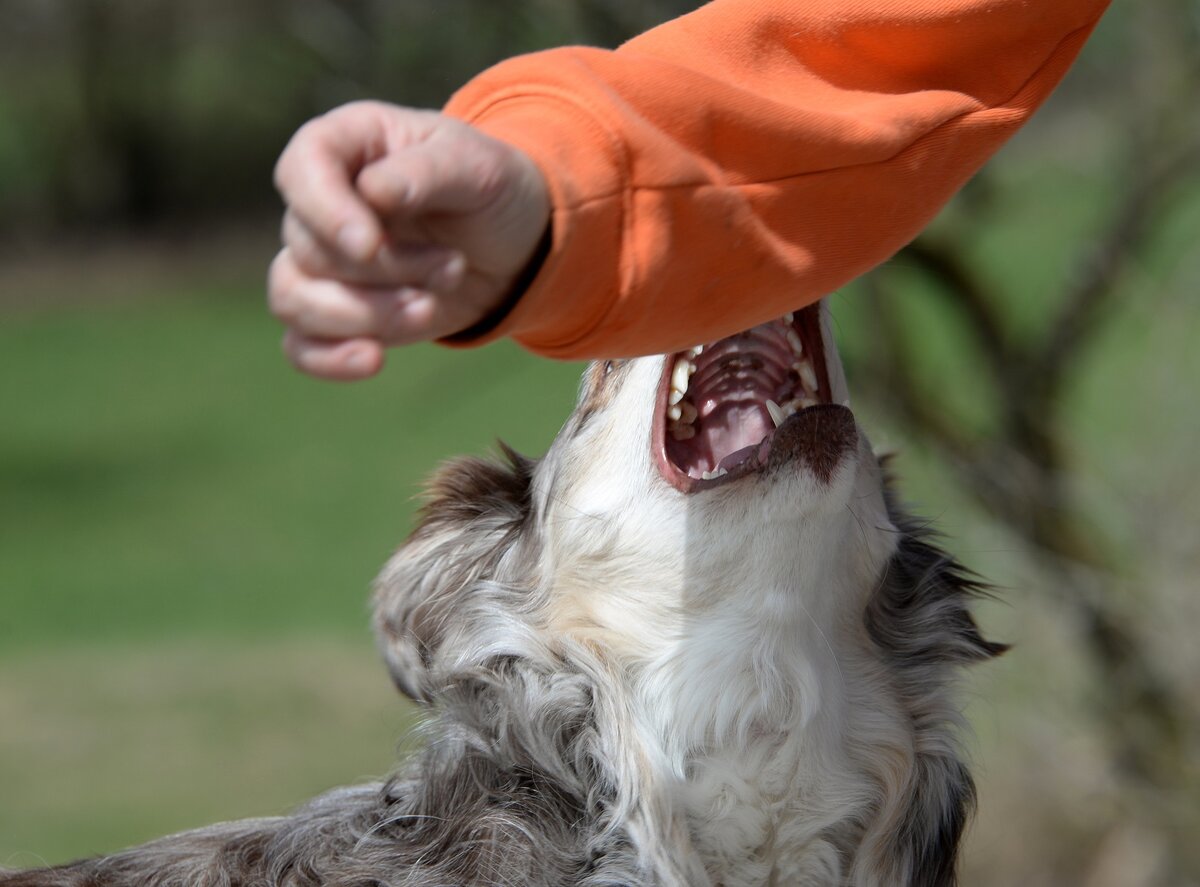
713,475
683,432
808,376
674,412
794,341
806,402
688,412
789,317
695,352
777,413
681,373
675,396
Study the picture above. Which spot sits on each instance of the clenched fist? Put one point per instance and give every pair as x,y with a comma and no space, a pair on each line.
402,225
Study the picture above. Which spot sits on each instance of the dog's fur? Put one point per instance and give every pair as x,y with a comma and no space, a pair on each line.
627,685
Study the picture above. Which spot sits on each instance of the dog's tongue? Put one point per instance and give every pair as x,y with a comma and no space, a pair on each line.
734,431
738,456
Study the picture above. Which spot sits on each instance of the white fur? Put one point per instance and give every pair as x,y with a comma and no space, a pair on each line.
731,617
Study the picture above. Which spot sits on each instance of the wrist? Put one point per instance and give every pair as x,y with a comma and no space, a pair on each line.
486,325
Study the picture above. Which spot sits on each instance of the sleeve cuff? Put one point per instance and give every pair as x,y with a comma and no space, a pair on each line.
576,276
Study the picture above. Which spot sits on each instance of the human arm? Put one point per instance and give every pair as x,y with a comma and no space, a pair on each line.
755,155
717,171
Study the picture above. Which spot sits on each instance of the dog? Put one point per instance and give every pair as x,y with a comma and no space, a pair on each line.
697,643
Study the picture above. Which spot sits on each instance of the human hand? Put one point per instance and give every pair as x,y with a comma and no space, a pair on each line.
402,225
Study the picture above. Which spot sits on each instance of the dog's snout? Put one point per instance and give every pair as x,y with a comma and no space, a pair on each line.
820,436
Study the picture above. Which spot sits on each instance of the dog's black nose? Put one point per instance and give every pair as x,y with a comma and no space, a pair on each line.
821,436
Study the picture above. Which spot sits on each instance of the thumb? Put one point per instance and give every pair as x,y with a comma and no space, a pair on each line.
458,175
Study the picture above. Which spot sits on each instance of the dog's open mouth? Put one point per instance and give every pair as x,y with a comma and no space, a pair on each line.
719,405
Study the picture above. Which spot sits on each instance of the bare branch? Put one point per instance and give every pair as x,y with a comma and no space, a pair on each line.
1091,295
969,297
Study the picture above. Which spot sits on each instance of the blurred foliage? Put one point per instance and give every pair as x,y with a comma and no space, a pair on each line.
130,113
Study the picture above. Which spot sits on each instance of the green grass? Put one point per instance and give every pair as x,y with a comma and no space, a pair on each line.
163,470
104,747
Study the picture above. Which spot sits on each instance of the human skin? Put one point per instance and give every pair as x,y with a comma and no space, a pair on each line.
402,225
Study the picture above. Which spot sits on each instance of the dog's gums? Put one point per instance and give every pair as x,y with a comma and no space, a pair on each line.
719,405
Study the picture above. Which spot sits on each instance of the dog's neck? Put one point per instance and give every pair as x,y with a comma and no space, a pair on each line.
740,655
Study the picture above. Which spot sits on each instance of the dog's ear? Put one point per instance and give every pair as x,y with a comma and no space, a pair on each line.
942,799
466,537
921,623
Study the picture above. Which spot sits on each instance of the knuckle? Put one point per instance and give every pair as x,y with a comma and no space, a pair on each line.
282,291
491,179
292,155
280,175
307,255
299,352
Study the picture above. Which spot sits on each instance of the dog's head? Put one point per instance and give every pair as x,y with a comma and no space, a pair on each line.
677,481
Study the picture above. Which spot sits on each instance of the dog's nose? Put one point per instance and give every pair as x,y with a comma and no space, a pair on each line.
821,436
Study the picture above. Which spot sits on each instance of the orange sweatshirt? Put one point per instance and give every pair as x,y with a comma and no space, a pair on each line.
750,157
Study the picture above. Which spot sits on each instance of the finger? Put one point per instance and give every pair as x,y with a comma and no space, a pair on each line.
316,173
336,360
394,264
437,175
320,307
323,308
391,317
422,315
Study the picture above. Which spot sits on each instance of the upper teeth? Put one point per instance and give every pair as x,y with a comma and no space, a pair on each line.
681,413
680,375
808,376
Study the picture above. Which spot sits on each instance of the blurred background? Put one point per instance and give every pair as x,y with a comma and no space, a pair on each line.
188,528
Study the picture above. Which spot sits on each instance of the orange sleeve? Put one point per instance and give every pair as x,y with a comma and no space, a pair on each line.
752,156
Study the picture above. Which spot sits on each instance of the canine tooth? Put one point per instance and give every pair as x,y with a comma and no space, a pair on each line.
789,317
674,412
683,432
695,352
808,376
777,414
794,341
675,396
680,374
